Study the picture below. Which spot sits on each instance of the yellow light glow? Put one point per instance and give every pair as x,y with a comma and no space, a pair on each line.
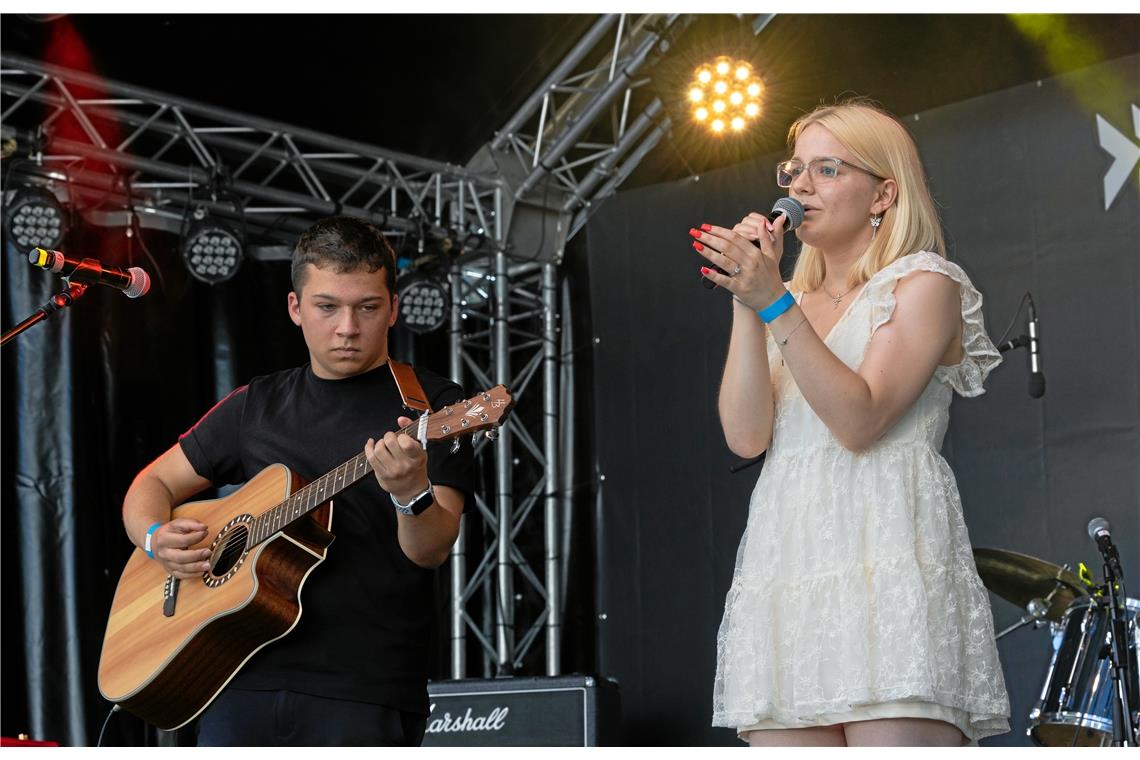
725,94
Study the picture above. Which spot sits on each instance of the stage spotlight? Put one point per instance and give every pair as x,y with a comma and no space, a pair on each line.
35,219
735,95
211,250
424,303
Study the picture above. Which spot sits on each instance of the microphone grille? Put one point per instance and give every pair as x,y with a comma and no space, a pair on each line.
140,283
793,209
1098,524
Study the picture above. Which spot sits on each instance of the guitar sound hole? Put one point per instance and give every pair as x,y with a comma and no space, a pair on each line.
227,555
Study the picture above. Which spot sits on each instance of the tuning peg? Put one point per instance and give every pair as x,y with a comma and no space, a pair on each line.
454,445
492,433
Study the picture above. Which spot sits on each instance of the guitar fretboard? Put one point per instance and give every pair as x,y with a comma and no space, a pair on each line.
309,498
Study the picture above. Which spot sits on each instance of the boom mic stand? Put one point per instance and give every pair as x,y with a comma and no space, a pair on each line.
59,301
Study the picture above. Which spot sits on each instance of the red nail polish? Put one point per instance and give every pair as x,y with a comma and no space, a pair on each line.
705,271
694,232
698,246
706,227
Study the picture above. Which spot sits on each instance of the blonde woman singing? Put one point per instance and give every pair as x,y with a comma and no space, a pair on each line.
856,615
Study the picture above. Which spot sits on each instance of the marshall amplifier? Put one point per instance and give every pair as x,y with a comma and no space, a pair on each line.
556,711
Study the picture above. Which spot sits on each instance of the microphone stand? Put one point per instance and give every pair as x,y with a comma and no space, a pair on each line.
1123,733
58,302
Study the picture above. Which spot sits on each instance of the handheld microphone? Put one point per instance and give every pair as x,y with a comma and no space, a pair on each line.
790,208
1101,532
1036,378
134,282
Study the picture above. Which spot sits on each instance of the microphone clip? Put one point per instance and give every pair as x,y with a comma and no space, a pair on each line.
1021,341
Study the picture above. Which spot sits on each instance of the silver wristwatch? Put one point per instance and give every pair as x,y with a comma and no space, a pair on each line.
417,505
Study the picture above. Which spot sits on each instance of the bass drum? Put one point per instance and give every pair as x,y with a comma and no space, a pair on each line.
1075,709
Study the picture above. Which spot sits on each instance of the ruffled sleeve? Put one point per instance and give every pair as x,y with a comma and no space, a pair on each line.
981,356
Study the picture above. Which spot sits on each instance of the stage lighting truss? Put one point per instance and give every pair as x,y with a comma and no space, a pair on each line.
725,95
424,303
212,250
35,219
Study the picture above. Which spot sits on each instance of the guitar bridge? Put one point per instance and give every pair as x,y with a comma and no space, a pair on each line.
169,595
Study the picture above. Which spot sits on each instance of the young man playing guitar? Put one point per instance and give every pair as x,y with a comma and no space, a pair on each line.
353,671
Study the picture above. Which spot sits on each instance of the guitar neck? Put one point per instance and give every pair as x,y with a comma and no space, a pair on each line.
481,412
313,495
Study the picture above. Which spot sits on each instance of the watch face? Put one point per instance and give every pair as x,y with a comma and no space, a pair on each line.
418,505
422,503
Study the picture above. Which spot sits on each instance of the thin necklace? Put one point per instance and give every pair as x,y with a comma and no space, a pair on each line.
835,299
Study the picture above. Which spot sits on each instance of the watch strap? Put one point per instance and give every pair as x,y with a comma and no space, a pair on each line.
419,503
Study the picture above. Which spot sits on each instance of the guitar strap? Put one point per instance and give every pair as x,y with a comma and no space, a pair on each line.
411,392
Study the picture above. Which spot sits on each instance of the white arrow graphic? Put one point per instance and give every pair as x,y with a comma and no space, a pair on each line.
1124,154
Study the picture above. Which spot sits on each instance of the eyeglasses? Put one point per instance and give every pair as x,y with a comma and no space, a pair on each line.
822,170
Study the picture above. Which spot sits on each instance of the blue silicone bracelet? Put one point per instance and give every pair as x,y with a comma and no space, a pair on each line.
778,307
150,531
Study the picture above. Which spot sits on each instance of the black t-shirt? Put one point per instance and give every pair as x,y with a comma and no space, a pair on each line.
367,613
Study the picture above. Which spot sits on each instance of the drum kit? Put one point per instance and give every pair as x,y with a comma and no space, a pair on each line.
1080,699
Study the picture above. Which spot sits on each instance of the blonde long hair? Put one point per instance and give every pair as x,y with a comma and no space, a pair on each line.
882,144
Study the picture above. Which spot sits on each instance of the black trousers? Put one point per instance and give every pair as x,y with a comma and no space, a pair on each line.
244,718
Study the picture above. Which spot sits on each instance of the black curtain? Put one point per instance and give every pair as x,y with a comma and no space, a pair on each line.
91,396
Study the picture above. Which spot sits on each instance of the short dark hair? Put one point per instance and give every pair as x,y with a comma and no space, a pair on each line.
345,243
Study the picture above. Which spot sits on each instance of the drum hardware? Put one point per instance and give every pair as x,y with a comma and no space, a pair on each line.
1085,693
1022,579
1036,612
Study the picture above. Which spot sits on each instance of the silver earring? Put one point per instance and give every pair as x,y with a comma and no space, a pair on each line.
875,222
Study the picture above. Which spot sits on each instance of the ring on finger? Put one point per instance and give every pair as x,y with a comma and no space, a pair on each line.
736,271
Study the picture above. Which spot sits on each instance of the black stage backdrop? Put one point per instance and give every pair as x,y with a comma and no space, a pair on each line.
1019,176
90,397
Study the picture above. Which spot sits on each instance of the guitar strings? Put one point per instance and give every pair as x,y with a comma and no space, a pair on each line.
435,423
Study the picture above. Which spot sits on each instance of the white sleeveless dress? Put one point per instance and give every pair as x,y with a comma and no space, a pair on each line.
855,594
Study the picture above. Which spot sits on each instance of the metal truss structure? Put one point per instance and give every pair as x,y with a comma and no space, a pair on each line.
511,211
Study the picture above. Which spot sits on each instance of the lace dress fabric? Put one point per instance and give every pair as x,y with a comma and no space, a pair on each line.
855,584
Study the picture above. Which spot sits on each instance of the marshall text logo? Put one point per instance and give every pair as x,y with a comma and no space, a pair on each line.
495,720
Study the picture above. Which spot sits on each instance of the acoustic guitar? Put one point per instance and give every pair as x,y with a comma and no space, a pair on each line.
172,645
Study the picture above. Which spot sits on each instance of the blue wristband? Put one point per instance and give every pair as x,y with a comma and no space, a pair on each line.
778,307
146,543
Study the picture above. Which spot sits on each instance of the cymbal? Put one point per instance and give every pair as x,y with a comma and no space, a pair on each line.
1020,578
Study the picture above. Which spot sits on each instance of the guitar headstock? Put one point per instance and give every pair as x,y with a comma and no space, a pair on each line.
482,412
